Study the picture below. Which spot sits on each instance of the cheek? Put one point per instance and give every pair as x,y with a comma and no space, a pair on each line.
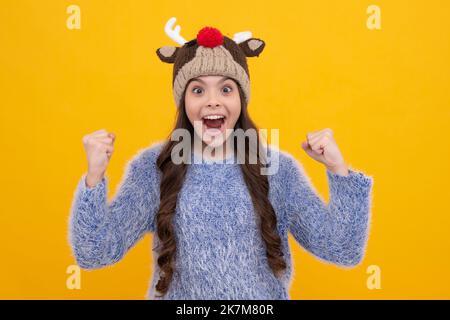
192,110
238,107
235,112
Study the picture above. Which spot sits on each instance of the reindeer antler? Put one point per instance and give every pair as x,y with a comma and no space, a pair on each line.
174,34
242,36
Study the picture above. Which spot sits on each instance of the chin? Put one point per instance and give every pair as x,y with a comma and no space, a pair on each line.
213,141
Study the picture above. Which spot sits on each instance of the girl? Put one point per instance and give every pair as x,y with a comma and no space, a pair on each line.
220,227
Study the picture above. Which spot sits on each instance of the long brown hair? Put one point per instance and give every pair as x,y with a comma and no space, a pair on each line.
172,180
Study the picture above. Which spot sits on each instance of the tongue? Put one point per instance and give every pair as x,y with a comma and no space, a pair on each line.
213,123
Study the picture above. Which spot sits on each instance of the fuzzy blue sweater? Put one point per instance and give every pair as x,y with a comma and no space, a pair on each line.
220,251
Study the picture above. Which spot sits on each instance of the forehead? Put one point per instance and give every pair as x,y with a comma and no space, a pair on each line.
210,79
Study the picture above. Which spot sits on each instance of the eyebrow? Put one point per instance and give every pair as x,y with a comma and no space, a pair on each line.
200,80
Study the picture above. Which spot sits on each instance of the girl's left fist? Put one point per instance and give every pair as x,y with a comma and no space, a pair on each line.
320,146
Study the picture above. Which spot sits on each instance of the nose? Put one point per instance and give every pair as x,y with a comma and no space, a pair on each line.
213,104
213,101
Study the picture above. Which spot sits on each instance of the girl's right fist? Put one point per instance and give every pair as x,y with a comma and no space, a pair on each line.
99,147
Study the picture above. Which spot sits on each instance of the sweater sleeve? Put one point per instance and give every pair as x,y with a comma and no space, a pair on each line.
336,232
101,232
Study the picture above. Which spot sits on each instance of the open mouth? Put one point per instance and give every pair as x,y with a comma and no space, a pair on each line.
214,124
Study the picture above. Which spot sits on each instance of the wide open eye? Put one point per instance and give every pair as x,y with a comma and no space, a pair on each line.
229,89
196,90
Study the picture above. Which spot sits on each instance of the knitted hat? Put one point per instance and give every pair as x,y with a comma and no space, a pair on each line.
211,53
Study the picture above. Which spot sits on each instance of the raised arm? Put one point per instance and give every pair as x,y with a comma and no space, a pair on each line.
336,232
101,232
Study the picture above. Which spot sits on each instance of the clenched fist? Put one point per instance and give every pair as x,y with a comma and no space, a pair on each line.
321,146
99,147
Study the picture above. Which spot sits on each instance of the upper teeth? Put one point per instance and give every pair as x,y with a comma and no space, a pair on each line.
214,117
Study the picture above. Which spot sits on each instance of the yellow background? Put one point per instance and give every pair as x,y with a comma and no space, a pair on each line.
385,93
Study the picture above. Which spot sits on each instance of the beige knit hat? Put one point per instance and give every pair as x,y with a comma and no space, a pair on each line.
211,53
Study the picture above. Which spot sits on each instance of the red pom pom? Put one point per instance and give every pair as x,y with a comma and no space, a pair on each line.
209,37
